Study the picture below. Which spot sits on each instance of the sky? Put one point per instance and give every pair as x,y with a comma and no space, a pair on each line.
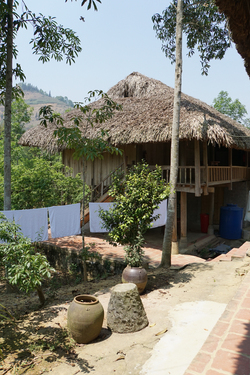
117,40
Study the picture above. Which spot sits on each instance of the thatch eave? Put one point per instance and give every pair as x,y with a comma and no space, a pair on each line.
147,118
238,14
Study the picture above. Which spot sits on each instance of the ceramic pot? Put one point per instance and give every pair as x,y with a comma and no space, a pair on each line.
85,318
136,275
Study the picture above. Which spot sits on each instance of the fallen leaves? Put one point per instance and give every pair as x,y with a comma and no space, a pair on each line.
122,355
161,332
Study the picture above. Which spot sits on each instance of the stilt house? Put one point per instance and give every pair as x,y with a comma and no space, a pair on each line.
214,160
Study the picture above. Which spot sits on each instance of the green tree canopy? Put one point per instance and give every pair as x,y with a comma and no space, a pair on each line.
205,28
234,109
38,179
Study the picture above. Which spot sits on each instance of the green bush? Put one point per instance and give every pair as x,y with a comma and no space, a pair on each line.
136,196
24,266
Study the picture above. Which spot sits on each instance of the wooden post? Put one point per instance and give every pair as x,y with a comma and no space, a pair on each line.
183,214
205,162
183,218
197,168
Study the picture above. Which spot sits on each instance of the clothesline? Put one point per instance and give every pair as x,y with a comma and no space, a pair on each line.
96,223
64,221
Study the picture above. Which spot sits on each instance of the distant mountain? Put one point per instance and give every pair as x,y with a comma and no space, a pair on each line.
37,98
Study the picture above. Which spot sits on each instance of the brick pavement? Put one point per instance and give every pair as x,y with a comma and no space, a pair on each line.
152,250
227,349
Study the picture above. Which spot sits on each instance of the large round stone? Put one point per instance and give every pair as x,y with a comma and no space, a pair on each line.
125,309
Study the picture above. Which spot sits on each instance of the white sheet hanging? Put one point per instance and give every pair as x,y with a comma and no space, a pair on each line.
8,214
247,215
65,220
96,224
162,211
33,223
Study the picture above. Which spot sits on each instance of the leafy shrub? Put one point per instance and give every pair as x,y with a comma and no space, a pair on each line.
136,198
25,267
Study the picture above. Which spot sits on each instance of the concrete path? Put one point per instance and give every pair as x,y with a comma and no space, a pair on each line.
207,338
191,324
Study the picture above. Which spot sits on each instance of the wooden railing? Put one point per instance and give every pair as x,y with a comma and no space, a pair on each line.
218,174
240,173
186,174
211,175
104,185
222,174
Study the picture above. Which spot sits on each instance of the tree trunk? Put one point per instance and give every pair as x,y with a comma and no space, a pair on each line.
7,112
174,163
83,208
40,295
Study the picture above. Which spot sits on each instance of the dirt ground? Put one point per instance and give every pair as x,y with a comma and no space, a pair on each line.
37,341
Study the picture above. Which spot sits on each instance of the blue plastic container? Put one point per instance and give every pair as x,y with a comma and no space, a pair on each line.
231,220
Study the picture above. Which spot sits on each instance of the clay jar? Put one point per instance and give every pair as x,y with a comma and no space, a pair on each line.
136,275
85,318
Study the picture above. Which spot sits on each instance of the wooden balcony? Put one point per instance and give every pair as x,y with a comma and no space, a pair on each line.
191,177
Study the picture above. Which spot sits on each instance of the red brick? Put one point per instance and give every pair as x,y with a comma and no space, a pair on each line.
242,328
214,372
232,305
245,303
231,362
220,328
240,293
211,344
227,316
243,314
199,363
237,343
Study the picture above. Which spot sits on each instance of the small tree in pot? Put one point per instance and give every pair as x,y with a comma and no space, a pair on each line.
136,196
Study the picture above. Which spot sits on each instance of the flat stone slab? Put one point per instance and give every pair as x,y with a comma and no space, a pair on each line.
125,309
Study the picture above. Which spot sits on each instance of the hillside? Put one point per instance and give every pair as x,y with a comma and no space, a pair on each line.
37,98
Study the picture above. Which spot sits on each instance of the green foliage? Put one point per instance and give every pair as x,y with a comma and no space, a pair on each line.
205,28
6,315
38,179
234,109
25,267
28,87
137,195
31,88
90,3
43,185
50,41
65,100
73,137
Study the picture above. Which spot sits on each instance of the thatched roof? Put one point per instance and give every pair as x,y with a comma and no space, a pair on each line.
238,13
147,118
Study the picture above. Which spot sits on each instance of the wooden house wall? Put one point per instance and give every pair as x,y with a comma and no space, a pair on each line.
186,152
99,168
154,153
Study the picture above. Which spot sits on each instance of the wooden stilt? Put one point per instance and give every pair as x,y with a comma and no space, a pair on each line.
197,168
183,218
